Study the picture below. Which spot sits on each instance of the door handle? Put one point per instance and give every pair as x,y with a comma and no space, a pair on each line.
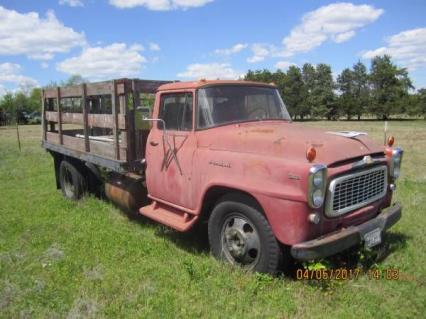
153,143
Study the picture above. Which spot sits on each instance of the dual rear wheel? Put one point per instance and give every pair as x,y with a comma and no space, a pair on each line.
73,182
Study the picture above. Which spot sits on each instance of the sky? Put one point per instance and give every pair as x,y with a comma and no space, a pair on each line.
49,40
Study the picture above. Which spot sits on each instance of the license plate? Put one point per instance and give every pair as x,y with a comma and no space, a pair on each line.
373,238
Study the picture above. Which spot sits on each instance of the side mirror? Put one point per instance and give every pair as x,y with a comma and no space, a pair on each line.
146,118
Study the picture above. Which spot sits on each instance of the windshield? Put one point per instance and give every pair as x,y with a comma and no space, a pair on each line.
221,105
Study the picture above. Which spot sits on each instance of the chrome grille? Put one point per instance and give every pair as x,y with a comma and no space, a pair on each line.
355,190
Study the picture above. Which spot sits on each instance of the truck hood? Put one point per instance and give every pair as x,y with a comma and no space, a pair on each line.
289,140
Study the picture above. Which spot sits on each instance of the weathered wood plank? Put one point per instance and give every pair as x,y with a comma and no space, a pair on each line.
148,86
43,118
71,91
114,100
74,143
93,120
58,99
100,88
85,118
105,149
52,137
49,93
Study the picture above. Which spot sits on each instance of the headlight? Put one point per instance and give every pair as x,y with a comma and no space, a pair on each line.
395,165
316,185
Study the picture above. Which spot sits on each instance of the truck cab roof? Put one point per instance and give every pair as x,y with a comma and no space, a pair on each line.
206,83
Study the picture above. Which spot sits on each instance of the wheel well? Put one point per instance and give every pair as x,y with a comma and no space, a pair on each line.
215,193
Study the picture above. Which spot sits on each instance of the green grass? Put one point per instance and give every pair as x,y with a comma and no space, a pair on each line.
88,259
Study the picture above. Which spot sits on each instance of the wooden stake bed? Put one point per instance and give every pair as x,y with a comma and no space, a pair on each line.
96,122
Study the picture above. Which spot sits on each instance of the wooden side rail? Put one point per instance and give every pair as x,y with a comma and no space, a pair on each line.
125,139
94,120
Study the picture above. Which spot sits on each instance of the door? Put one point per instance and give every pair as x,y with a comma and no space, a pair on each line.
170,152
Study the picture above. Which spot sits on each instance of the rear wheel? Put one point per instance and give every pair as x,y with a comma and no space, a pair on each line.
73,183
240,234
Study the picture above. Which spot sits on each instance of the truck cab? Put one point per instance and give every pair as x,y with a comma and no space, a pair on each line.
227,153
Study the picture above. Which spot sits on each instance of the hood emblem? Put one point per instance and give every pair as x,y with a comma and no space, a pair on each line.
349,134
366,160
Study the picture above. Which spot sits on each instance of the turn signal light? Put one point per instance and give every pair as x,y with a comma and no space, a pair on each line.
391,140
311,153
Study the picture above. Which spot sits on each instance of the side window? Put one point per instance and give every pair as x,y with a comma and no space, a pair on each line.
176,111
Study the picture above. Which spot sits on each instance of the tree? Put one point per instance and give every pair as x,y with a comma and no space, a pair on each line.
74,79
260,76
309,83
323,93
293,92
34,100
389,84
345,84
7,103
362,89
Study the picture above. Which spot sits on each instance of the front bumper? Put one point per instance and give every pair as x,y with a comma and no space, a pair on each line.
334,243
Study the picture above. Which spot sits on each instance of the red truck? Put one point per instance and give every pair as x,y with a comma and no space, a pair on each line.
225,153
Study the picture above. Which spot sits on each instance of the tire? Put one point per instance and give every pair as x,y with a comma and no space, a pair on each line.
240,234
72,181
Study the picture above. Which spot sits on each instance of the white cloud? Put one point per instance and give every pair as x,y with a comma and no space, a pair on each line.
11,73
336,22
209,71
407,47
72,3
154,46
35,37
44,65
233,50
260,52
283,65
102,63
159,5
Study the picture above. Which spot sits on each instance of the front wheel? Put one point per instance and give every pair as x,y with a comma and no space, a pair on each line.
240,234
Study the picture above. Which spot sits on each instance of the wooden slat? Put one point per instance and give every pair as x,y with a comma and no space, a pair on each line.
100,88
148,86
106,121
94,120
115,129
105,149
85,118
74,143
71,91
49,93
43,117
72,118
58,99
52,137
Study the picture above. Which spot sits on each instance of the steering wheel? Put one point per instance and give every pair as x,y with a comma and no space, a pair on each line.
257,113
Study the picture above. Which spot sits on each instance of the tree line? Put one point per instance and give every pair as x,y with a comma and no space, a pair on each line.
311,92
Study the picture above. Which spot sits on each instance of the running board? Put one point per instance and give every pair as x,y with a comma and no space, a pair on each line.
169,216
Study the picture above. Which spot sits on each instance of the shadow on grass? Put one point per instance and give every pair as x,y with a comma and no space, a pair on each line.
195,241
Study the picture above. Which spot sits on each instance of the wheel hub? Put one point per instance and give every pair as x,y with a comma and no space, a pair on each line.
236,243
240,241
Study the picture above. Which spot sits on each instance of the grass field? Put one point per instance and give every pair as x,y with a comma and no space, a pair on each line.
88,259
